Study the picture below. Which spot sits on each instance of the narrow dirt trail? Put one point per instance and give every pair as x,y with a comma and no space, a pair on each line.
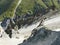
16,8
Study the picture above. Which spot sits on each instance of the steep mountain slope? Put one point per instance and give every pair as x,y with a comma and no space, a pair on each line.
20,17
31,7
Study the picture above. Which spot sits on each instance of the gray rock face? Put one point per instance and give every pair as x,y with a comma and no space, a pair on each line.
43,37
5,23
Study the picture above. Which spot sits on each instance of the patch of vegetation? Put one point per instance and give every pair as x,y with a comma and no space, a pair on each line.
35,6
48,3
25,6
40,2
10,11
57,5
4,5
